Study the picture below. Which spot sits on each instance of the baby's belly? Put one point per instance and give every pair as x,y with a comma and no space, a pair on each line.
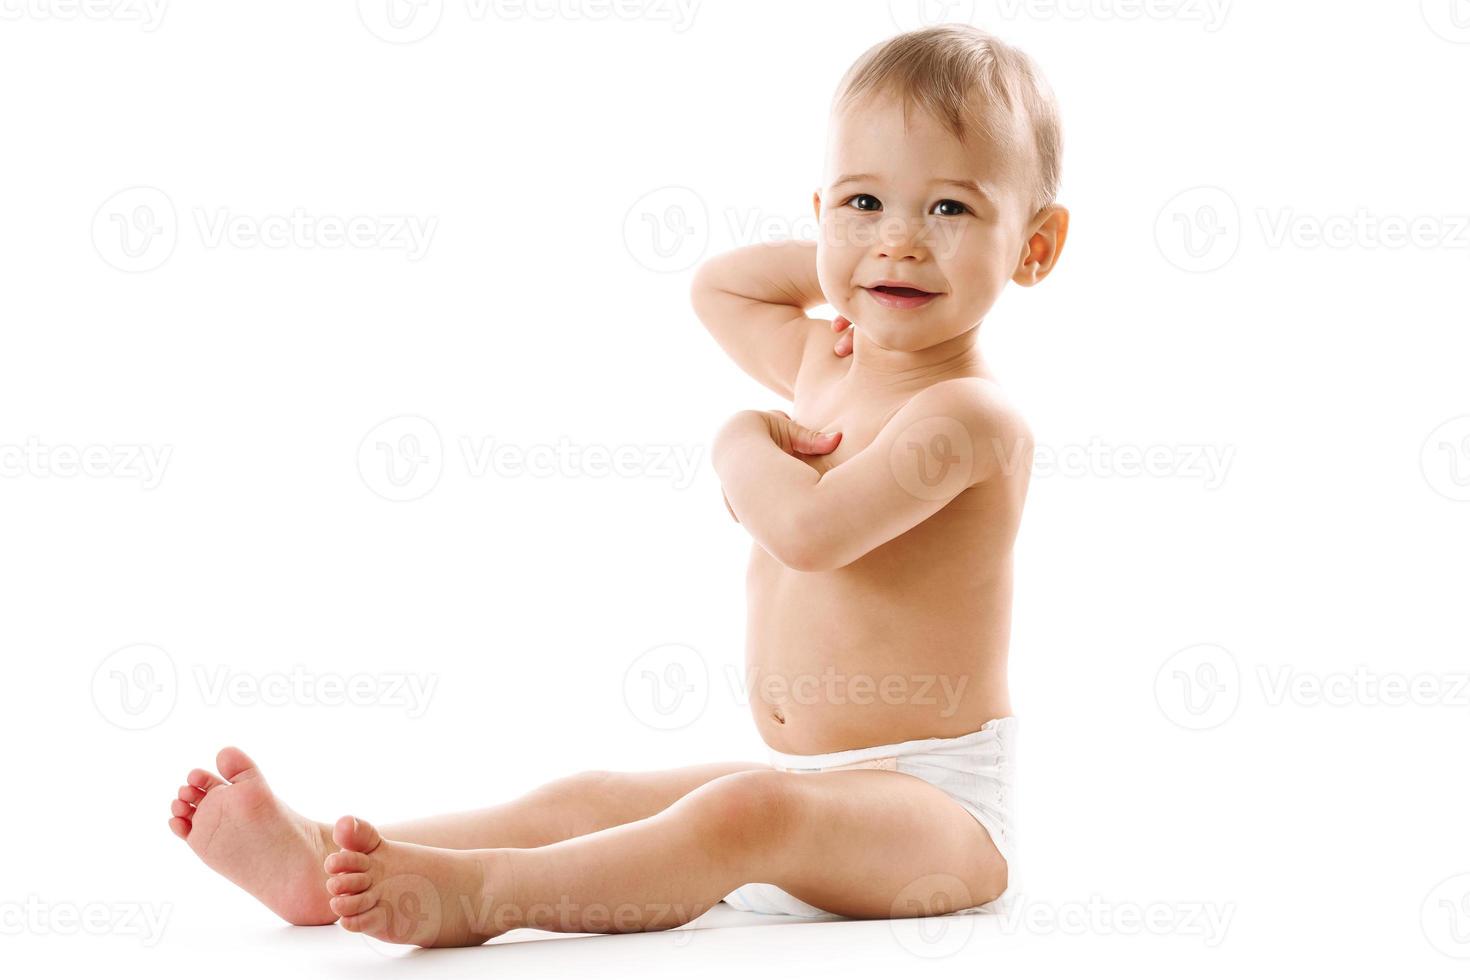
873,654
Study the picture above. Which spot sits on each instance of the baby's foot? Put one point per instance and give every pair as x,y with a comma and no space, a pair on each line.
239,828
407,893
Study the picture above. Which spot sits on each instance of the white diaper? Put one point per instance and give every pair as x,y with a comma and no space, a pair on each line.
976,771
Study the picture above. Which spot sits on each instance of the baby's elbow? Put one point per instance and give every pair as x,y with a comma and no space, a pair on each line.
806,547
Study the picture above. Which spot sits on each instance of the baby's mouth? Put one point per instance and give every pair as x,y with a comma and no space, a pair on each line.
900,297
901,291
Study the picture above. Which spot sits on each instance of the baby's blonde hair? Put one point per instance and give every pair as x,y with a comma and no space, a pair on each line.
941,68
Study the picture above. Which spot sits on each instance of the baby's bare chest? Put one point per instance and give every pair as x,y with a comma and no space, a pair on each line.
859,419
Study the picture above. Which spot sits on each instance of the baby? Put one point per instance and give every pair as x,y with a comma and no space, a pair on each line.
879,584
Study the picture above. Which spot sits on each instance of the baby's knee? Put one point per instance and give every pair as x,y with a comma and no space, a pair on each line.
753,809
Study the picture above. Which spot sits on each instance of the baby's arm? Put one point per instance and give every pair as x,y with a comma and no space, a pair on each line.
753,300
946,439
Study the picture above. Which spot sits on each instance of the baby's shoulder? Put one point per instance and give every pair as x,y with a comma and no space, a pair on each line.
981,404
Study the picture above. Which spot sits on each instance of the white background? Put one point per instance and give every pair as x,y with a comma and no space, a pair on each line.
544,309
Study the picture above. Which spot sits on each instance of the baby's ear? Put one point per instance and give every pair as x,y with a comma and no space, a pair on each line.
1040,253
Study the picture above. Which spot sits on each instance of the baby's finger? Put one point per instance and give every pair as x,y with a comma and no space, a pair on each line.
840,323
809,443
843,347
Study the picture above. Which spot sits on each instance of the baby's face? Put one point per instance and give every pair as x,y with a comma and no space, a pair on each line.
888,210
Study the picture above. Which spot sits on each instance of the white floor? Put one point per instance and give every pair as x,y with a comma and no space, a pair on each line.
202,938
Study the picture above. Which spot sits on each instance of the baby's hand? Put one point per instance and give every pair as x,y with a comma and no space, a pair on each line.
844,329
797,439
793,438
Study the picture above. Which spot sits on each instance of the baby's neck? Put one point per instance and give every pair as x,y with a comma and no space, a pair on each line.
873,366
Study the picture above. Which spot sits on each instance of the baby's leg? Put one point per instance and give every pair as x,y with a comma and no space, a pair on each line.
866,844
241,829
568,807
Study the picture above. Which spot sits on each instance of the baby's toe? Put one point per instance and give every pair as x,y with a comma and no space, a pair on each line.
350,883
181,809
180,826
191,794
203,779
358,904
352,834
374,922
342,861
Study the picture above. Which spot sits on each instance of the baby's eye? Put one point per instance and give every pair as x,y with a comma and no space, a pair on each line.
865,197
956,204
